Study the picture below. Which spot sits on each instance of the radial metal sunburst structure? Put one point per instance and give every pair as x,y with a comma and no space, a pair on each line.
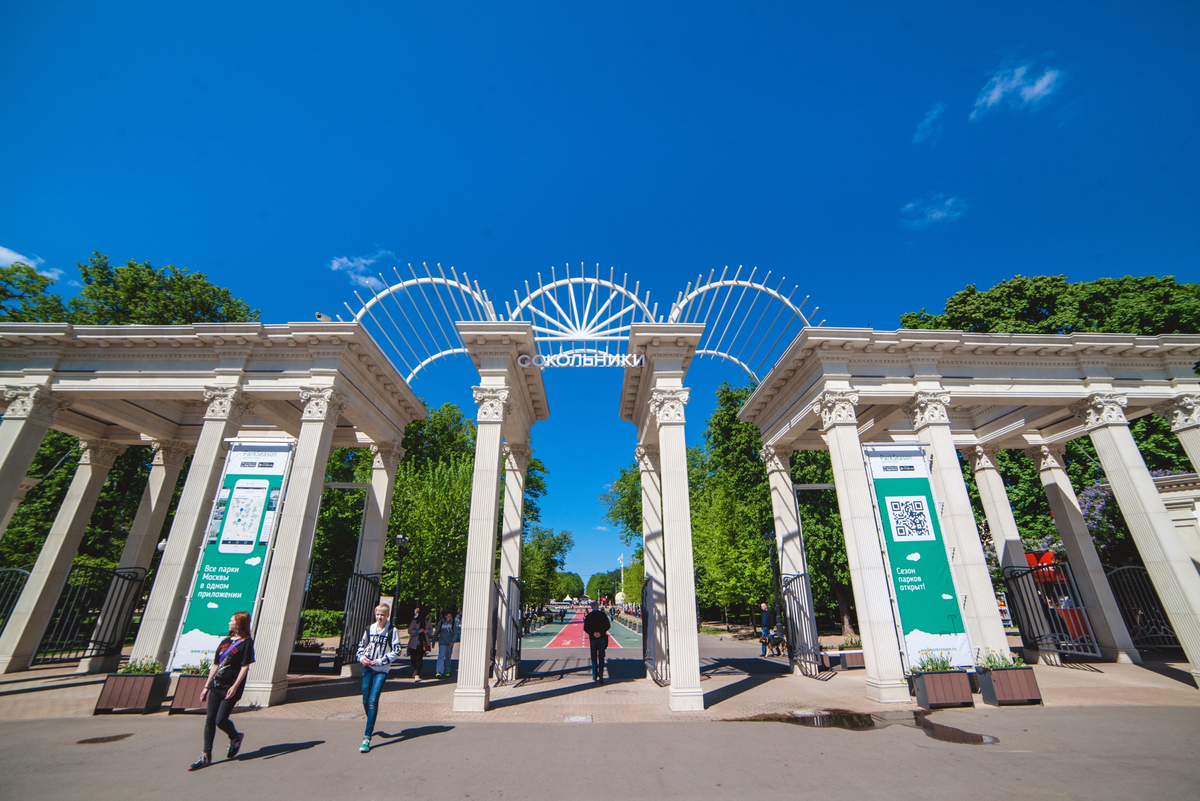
586,313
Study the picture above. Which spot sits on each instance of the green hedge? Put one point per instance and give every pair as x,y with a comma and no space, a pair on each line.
322,622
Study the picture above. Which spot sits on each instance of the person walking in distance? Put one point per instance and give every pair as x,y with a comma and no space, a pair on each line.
447,634
596,625
377,650
768,623
222,691
418,641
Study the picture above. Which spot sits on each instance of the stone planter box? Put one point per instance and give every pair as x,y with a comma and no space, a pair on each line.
125,691
943,689
1016,685
187,693
853,659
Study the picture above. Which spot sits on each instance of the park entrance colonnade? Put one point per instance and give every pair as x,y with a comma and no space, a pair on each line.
179,389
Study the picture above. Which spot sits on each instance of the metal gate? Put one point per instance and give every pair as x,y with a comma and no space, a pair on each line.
362,596
801,626
12,581
509,606
655,650
1045,605
1145,618
92,616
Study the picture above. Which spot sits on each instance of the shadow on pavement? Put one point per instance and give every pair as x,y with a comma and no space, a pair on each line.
279,749
44,687
1171,672
750,666
410,734
565,689
714,697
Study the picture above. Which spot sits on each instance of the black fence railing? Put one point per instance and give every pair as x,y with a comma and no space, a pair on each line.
508,606
1046,608
655,653
362,596
1141,609
12,581
92,616
800,630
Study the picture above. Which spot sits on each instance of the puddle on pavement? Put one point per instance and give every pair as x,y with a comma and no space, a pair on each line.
863,721
112,738
618,692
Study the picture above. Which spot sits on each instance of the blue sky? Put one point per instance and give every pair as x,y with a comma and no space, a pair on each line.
880,157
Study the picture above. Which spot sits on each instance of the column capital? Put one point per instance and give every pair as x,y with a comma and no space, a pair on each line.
647,458
170,452
33,403
927,408
778,458
1183,412
1101,409
1048,457
836,407
386,455
99,452
667,405
516,456
983,457
322,404
226,403
494,406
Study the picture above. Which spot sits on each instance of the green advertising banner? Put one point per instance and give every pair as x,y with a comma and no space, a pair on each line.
229,573
925,593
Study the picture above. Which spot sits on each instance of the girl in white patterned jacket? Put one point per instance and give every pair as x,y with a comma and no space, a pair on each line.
378,649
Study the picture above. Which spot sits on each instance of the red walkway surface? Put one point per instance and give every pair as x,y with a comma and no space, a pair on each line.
573,635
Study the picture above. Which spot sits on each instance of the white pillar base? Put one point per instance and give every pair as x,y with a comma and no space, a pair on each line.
471,700
264,693
888,692
687,700
99,664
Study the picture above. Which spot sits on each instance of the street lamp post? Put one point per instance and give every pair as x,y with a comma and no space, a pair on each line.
401,550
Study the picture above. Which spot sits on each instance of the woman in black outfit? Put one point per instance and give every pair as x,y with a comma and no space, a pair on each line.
226,680
418,641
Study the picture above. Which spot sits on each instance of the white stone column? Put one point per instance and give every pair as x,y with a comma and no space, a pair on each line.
1006,537
869,577
657,644
980,610
1167,561
789,539
385,458
667,406
27,484
29,618
279,618
160,622
1184,414
1094,589
516,461
31,410
138,552
474,657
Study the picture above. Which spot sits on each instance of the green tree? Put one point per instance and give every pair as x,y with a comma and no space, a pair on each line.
824,541
600,585
569,584
543,552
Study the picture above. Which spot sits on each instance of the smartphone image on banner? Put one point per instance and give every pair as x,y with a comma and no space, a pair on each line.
247,503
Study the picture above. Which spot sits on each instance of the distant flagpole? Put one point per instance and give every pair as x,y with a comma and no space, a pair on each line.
621,562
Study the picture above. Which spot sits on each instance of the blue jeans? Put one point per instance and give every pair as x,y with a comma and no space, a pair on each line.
766,638
372,686
445,651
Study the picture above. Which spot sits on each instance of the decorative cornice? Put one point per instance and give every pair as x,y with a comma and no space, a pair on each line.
493,404
667,405
647,458
99,452
778,459
323,404
516,457
1183,412
386,455
1048,457
38,404
226,403
1101,409
927,408
836,407
983,457
170,452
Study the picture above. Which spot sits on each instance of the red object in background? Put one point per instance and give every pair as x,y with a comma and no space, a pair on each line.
1039,558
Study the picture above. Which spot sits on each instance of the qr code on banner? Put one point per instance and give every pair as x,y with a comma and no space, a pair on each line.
910,519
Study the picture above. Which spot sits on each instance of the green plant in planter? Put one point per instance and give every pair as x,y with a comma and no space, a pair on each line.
933,662
197,670
306,645
141,667
993,660
851,642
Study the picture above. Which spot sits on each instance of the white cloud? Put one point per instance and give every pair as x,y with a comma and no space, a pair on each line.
601,528
1018,87
8,257
928,128
357,267
935,209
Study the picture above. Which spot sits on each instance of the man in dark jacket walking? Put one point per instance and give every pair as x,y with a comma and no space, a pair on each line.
768,623
596,626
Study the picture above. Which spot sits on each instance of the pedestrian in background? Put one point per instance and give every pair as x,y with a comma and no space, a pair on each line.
377,650
446,635
768,623
596,625
418,642
222,691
